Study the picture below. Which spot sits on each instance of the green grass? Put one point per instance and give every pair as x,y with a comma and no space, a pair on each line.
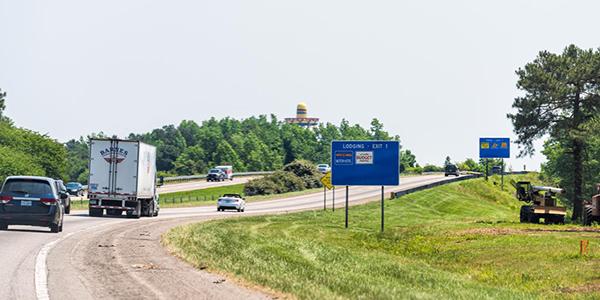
458,241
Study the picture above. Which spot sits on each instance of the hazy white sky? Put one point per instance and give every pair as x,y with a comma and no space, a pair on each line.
438,73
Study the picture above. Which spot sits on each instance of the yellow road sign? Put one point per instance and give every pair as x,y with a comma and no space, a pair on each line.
326,180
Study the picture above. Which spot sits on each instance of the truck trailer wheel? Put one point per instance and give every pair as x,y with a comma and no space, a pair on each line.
137,213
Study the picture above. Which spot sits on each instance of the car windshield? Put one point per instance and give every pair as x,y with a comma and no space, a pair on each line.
451,168
215,171
322,166
24,186
72,185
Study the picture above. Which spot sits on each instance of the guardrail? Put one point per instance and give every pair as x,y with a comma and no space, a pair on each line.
431,185
194,177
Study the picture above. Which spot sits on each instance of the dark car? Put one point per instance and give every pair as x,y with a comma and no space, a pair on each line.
496,170
34,201
75,188
215,175
66,201
451,170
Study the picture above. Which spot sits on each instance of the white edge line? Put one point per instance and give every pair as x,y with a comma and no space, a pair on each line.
41,272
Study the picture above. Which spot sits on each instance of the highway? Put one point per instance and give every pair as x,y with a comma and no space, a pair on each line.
191,185
120,258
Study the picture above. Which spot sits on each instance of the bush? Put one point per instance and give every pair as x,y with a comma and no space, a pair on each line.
287,181
260,186
307,171
296,176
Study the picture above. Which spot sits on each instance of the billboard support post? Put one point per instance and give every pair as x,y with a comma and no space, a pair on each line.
486,169
333,198
346,206
382,208
502,180
324,198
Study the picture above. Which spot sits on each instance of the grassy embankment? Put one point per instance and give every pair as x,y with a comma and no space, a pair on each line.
202,197
458,241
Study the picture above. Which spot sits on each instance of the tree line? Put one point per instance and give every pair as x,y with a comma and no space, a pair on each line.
25,152
254,144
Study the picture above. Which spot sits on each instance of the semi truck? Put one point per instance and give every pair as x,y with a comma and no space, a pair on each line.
122,178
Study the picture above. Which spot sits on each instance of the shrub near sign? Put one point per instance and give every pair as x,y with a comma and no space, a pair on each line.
365,163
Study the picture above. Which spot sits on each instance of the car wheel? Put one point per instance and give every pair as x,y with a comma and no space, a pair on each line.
3,226
243,209
68,209
54,228
60,228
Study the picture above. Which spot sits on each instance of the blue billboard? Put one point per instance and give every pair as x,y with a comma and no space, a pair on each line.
494,147
365,163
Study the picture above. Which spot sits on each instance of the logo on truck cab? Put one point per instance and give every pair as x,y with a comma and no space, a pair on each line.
115,154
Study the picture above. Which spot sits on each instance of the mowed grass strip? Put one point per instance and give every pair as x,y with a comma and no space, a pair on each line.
458,241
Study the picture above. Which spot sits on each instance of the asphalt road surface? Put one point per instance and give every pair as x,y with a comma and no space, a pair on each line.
190,186
120,258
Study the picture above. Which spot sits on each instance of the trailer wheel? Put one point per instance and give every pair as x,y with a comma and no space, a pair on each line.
137,213
588,217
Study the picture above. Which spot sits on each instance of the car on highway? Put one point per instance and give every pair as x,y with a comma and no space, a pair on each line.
66,200
31,200
215,175
75,188
231,201
496,170
451,170
324,168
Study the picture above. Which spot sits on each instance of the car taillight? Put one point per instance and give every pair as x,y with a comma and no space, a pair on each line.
5,200
236,200
49,201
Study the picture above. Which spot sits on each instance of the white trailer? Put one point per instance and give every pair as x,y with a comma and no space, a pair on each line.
122,178
228,170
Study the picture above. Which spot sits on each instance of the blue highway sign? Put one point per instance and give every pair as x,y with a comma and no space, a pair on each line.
494,147
365,163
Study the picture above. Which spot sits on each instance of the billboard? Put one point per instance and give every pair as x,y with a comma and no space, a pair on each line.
494,147
365,163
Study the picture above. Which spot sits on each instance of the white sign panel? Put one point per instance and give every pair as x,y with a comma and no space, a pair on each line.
364,157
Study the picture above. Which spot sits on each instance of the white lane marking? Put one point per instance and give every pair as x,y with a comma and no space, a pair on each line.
41,273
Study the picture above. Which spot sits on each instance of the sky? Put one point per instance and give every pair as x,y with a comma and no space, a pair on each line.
440,74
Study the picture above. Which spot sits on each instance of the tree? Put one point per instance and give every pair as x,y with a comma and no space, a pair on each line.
2,104
448,161
561,97
191,161
190,132
225,155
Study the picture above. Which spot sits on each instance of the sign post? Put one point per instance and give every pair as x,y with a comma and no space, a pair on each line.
333,199
326,180
494,148
365,163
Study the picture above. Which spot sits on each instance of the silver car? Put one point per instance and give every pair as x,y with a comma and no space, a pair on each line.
324,168
231,201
